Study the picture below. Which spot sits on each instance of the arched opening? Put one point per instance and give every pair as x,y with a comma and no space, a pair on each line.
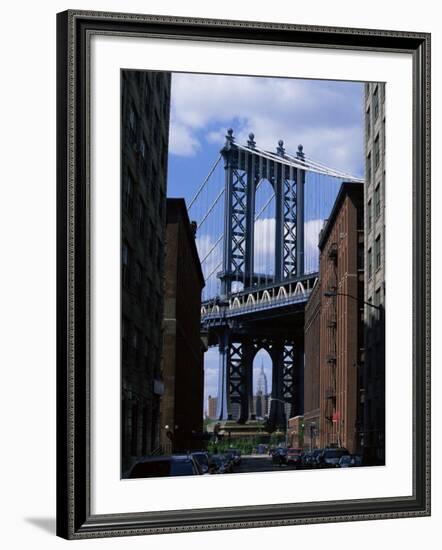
264,233
262,384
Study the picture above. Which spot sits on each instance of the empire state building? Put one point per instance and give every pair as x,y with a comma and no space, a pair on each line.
262,396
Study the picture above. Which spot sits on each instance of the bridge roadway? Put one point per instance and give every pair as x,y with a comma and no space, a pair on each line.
263,311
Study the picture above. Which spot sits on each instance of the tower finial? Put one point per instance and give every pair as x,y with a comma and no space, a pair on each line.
300,152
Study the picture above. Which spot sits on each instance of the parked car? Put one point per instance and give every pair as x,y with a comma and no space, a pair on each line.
164,466
306,458
330,457
315,458
235,454
350,461
279,455
220,464
202,459
293,457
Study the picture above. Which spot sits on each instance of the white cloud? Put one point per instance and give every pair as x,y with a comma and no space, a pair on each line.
318,115
181,140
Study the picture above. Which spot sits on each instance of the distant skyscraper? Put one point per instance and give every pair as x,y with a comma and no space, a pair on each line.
212,402
261,386
261,398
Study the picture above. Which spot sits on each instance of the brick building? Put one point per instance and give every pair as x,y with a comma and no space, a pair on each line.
341,272
145,104
296,432
183,349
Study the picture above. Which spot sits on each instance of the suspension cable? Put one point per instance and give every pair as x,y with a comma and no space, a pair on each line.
206,179
213,248
212,206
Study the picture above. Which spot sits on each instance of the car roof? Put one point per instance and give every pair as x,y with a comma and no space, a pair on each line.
164,458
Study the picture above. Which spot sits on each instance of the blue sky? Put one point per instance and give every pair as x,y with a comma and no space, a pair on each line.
326,117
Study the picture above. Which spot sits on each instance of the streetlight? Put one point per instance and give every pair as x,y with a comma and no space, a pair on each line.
287,418
332,294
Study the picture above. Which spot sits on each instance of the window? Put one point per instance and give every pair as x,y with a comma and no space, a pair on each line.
369,215
151,240
125,260
377,303
377,201
161,204
368,122
133,122
377,155
144,430
360,258
128,193
159,254
154,182
141,217
369,263
370,316
377,252
377,297
125,336
143,148
138,276
136,339
376,103
134,430
368,362
369,168
146,352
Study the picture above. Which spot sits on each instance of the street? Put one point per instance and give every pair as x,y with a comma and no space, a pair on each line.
259,463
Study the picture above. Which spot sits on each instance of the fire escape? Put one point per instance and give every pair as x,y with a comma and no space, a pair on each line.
330,391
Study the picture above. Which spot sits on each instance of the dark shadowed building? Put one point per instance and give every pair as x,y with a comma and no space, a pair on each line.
183,350
372,425
144,151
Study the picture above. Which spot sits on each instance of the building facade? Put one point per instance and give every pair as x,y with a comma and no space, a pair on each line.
211,407
296,432
145,105
182,403
372,429
312,368
341,272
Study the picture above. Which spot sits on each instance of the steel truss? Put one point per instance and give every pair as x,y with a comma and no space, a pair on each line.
244,169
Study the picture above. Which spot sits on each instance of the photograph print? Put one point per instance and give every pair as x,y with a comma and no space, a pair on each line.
252,274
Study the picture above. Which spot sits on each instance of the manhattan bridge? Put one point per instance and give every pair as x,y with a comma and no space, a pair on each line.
258,216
